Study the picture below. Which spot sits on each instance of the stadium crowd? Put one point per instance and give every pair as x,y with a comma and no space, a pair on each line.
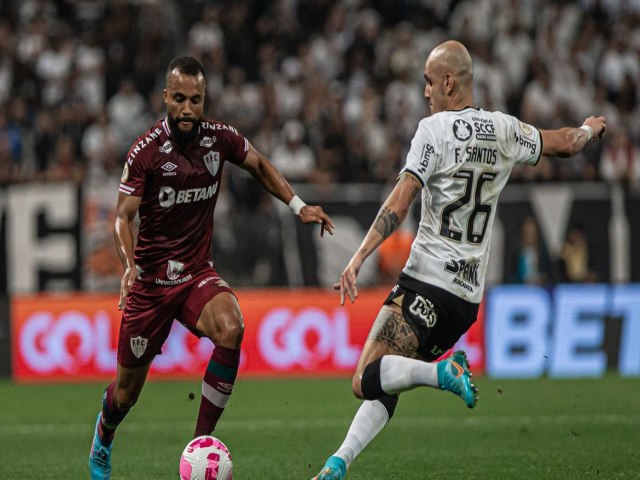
331,91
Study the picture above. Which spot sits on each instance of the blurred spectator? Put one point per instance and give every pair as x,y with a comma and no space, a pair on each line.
10,151
538,105
206,35
6,61
90,71
620,160
575,259
533,264
288,90
99,143
126,110
54,65
242,103
64,164
295,160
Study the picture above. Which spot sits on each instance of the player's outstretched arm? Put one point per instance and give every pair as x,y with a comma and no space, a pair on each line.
391,215
269,178
566,142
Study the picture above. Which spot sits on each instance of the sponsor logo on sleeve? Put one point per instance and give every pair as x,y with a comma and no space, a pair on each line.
526,143
427,150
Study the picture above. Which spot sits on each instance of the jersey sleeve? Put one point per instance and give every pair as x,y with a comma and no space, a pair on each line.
134,174
524,141
237,146
421,159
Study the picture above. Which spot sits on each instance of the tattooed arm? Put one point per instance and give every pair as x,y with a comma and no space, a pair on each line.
566,142
391,215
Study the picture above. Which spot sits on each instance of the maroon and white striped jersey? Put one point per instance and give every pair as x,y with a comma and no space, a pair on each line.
178,188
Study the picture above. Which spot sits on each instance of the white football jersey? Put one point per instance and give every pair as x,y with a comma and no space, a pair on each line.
463,160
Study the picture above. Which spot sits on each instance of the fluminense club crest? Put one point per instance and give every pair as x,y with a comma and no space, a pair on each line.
138,345
212,162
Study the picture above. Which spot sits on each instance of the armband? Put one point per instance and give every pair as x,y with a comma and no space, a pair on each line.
296,204
589,131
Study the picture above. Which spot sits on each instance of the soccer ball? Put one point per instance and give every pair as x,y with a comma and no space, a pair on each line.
206,458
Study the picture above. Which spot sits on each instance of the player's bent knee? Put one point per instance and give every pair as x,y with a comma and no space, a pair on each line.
356,386
370,384
229,331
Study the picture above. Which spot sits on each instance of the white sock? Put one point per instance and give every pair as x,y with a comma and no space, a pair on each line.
399,374
369,420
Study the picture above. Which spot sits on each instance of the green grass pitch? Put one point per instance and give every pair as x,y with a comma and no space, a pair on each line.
284,429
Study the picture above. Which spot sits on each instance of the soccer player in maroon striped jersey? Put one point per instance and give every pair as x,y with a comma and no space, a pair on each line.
171,179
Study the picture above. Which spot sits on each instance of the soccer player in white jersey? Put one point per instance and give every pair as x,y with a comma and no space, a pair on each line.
459,161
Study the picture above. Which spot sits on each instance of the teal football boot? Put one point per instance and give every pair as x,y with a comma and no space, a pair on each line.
454,376
99,457
334,469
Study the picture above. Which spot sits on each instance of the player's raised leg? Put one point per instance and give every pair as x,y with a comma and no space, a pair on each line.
221,321
389,335
117,400
386,369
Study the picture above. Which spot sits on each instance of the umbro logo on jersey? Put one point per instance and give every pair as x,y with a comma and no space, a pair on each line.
462,130
169,169
166,147
207,141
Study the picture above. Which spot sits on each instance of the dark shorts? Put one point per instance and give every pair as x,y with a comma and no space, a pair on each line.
438,318
150,310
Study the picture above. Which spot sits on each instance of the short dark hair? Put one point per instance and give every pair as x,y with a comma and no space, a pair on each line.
186,65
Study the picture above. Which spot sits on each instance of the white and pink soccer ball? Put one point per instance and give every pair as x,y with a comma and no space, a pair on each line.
206,458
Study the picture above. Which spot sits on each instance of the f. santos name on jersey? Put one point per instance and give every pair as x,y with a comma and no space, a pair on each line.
169,197
475,154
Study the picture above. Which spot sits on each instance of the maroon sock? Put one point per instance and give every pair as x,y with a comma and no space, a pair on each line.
217,385
111,415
